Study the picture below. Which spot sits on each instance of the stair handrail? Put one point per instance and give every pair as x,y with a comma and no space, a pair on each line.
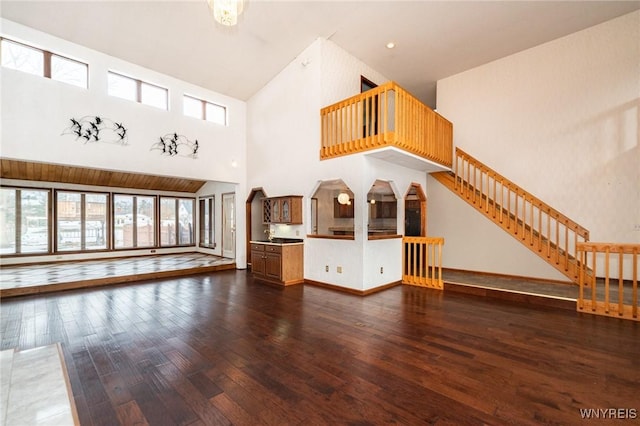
516,213
601,299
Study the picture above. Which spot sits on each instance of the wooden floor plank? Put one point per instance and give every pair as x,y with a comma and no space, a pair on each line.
222,348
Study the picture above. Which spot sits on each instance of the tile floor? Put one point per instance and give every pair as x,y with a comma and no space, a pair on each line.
35,388
12,277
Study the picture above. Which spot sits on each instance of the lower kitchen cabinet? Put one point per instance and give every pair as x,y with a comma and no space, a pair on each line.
278,263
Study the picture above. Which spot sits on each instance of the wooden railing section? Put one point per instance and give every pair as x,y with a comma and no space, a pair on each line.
616,293
385,116
540,227
422,261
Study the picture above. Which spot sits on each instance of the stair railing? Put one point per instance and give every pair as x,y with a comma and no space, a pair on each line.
520,213
422,261
386,116
616,293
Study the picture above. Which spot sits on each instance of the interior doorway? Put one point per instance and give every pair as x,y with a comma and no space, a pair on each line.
415,212
255,226
229,225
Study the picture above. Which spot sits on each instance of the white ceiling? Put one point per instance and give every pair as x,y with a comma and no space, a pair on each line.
434,39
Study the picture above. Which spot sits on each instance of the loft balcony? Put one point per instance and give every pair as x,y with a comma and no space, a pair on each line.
387,122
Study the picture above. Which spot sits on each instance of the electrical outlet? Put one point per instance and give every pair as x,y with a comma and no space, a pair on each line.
339,269
382,270
297,233
636,227
326,268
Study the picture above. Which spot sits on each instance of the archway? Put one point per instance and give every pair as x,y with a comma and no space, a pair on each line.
415,212
255,227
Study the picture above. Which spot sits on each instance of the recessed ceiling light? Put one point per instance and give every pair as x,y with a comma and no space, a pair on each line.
391,45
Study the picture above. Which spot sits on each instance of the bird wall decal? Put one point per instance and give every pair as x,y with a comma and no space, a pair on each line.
92,128
173,144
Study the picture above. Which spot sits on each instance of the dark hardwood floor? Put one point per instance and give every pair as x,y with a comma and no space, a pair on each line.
222,349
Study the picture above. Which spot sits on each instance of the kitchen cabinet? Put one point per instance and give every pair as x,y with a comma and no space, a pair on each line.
278,263
384,210
286,209
343,211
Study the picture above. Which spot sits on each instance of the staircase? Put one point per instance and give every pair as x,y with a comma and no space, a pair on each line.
545,231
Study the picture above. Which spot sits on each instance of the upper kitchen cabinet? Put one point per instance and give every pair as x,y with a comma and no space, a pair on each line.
286,209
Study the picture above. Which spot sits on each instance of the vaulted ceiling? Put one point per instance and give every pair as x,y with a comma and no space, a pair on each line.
434,39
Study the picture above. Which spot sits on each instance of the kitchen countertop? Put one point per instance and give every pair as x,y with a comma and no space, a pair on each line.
276,241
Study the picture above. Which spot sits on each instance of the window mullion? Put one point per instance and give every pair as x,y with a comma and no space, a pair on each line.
18,221
139,91
211,222
135,222
83,222
46,63
177,222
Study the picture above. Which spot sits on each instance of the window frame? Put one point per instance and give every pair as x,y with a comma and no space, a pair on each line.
18,221
211,201
138,98
203,110
83,220
176,236
46,62
134,237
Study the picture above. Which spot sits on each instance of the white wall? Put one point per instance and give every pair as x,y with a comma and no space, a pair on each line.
283,150
217,189
562,121
36,111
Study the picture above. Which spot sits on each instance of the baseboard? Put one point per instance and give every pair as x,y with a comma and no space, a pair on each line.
516,277
513,296
352,290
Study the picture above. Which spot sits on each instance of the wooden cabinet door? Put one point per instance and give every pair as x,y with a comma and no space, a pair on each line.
276,210
266,210
273,265
285,210
257,262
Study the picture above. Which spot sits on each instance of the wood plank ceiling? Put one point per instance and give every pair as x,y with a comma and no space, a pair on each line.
46,172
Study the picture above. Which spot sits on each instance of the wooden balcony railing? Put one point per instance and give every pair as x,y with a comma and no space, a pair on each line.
422,262
540,227
616,293
386,116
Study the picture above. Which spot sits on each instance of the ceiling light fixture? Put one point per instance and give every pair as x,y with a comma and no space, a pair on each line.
391,45
226,12
343,198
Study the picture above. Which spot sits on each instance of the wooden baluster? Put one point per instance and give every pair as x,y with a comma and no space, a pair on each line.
495,195
593,280
540,227
508,205
548,233
417,273
606,280
566,246
634,290
575,247
501,200
532,222
515,215
583,254
557,241
620,281
468,179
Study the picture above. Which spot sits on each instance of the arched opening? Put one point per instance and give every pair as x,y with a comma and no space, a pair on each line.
255,226
332,210
415,212
383,210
